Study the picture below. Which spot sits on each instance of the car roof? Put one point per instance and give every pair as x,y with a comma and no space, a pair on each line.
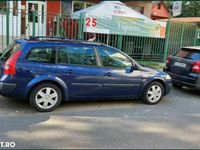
192,47
56,40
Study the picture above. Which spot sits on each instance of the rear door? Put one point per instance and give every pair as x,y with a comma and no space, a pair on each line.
79,68
181,63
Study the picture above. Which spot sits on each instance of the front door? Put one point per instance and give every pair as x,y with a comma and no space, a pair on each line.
117,81
36,18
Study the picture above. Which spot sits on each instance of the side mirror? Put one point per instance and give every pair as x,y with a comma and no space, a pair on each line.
129,69
135,67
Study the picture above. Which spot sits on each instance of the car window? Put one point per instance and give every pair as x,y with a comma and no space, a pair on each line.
42,54
112,58
63,55
9,50
189,54
77,56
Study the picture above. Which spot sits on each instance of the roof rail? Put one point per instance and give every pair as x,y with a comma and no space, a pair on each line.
46,38
43,38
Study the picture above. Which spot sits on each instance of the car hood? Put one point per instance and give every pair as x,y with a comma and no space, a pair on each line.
151,72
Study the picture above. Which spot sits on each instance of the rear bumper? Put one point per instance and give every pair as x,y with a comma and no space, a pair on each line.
6,88
193,81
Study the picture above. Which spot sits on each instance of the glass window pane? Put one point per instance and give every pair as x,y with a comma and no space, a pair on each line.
46,55
189,54
78,5
3,6
12,48
32,8
63,56
195,56
15,7
113,58
81,56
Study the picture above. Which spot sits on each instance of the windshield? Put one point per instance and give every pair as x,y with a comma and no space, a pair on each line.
9,50
189,54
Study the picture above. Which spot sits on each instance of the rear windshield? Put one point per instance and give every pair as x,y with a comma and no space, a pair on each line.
9,50
189,54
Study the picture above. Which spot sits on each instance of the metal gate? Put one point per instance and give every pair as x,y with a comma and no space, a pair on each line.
179,35
197,37
140,48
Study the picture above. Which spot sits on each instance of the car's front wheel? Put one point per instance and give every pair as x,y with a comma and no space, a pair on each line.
45,97
153,93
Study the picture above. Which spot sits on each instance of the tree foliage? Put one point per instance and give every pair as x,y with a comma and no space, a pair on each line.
189,8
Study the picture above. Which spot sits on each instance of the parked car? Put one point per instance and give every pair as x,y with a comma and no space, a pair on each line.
184,67
49,70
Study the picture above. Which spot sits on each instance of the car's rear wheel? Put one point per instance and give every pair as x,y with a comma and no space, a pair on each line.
153,93
45,97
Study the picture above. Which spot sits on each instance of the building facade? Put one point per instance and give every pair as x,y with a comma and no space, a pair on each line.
159,11
23,15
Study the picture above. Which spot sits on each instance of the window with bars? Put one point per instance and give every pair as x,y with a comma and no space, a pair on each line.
15,7
78,5
3,6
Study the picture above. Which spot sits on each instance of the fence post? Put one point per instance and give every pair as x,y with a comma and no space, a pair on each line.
167,41
182,32
34,21
57,26
80,26
7,25
119,42
195,38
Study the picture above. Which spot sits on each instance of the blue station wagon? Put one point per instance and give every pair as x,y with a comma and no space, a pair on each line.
46,71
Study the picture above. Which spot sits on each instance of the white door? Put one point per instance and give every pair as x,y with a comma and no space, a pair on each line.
39,7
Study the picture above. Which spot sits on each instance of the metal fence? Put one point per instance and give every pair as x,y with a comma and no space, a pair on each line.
25,23
139,48
197,42
181,35
41,23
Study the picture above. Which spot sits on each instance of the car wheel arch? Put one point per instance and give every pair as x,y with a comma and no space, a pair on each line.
61,85
155,80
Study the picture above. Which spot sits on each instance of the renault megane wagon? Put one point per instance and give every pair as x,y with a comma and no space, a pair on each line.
46,71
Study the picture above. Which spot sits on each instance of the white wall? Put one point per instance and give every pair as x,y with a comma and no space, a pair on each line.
14,22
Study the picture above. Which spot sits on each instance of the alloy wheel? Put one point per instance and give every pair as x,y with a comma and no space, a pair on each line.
46,98
154,93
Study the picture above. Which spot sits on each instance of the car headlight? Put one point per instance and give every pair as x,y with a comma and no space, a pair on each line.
168,77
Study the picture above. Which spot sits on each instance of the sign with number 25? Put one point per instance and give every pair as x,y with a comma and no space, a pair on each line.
91,22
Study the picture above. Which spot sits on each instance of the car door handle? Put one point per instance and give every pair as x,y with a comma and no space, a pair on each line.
108,74
69,72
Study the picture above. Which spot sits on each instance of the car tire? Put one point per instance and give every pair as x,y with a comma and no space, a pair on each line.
45,97
177,85
153,93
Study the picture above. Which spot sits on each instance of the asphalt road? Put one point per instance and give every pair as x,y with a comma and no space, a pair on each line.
173,123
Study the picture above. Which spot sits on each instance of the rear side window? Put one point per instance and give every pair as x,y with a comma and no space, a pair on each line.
42,54
10,49
189,54
77,56
63,55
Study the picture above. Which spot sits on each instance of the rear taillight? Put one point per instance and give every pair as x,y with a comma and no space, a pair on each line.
10,64
168,61
196,67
